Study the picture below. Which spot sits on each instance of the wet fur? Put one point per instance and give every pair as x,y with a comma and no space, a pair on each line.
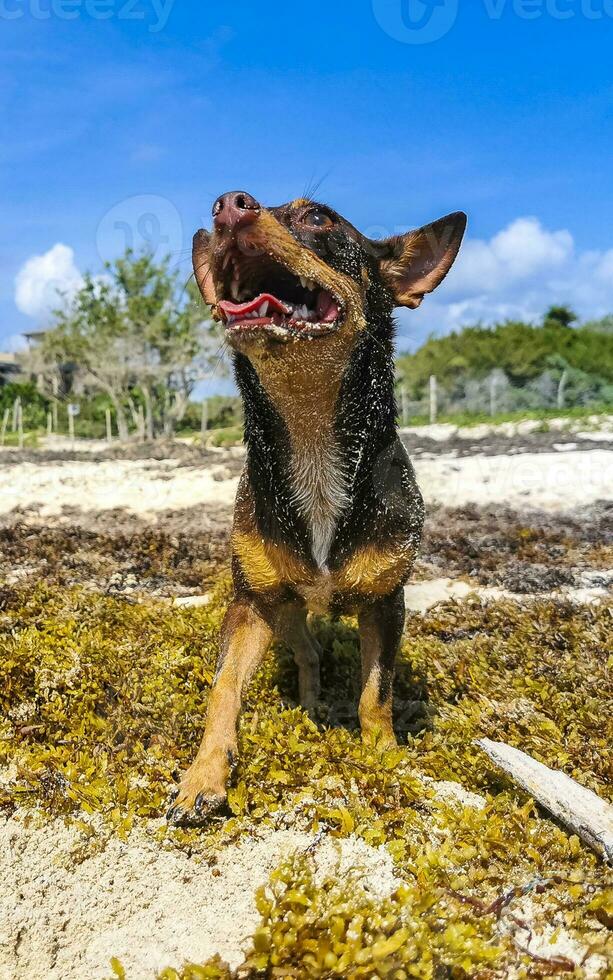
328,515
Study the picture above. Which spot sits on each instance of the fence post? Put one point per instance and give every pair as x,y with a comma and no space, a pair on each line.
16,407
20,424
404,401
433,399
109,425
5,422
562,388
49,424
71,426
141,423
204,419
493,387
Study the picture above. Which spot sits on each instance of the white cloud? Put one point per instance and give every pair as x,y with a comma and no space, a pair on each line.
517,274
41,279
604,267
516,253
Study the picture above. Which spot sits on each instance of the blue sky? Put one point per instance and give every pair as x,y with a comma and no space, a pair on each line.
127,128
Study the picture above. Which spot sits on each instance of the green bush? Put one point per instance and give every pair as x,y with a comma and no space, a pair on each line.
34,405
226,437
522,350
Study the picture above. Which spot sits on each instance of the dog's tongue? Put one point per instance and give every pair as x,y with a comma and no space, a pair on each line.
327,308
243,309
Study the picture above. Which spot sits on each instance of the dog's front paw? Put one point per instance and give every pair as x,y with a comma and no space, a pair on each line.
196,799
184,813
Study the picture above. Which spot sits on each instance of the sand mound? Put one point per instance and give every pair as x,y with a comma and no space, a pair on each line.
64,912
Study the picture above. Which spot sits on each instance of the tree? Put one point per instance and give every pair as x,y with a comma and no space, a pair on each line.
561,315
136,335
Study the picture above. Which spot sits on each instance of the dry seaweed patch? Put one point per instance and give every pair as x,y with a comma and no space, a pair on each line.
134,561
527,552
102,701
184,550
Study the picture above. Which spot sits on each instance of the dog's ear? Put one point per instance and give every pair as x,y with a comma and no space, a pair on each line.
202,266
416,263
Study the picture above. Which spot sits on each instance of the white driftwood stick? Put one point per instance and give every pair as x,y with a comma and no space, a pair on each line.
581,810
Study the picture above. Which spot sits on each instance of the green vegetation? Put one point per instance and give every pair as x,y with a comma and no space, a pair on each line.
223,414
544,414
523,354
30,440
604,325
34,404
102,702
138,345
138,336
231,436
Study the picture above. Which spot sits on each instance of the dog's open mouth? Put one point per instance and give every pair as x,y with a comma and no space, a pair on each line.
260,294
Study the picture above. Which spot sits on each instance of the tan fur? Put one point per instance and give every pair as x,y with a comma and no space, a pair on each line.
371,571
267,566
375,715
375,571
245,640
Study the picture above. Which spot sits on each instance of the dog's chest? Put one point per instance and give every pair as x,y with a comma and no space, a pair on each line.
319,490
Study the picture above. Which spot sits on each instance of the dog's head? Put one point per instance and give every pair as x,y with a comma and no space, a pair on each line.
302,272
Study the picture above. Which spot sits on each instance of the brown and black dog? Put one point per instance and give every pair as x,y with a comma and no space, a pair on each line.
328,515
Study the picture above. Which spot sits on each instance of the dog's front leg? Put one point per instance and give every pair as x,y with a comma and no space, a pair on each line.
381,623
245,638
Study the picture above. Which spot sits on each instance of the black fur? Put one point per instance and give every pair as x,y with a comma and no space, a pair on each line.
385,502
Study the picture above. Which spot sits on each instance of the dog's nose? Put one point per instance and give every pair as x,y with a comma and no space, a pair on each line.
235,210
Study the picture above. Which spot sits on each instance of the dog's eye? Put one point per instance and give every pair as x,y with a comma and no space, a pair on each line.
317,219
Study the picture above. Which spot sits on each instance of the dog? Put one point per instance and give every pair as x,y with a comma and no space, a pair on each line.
328,515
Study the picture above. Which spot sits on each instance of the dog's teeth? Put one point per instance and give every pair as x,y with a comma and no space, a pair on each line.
264,308
311,285
235,290
226,259
304,282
